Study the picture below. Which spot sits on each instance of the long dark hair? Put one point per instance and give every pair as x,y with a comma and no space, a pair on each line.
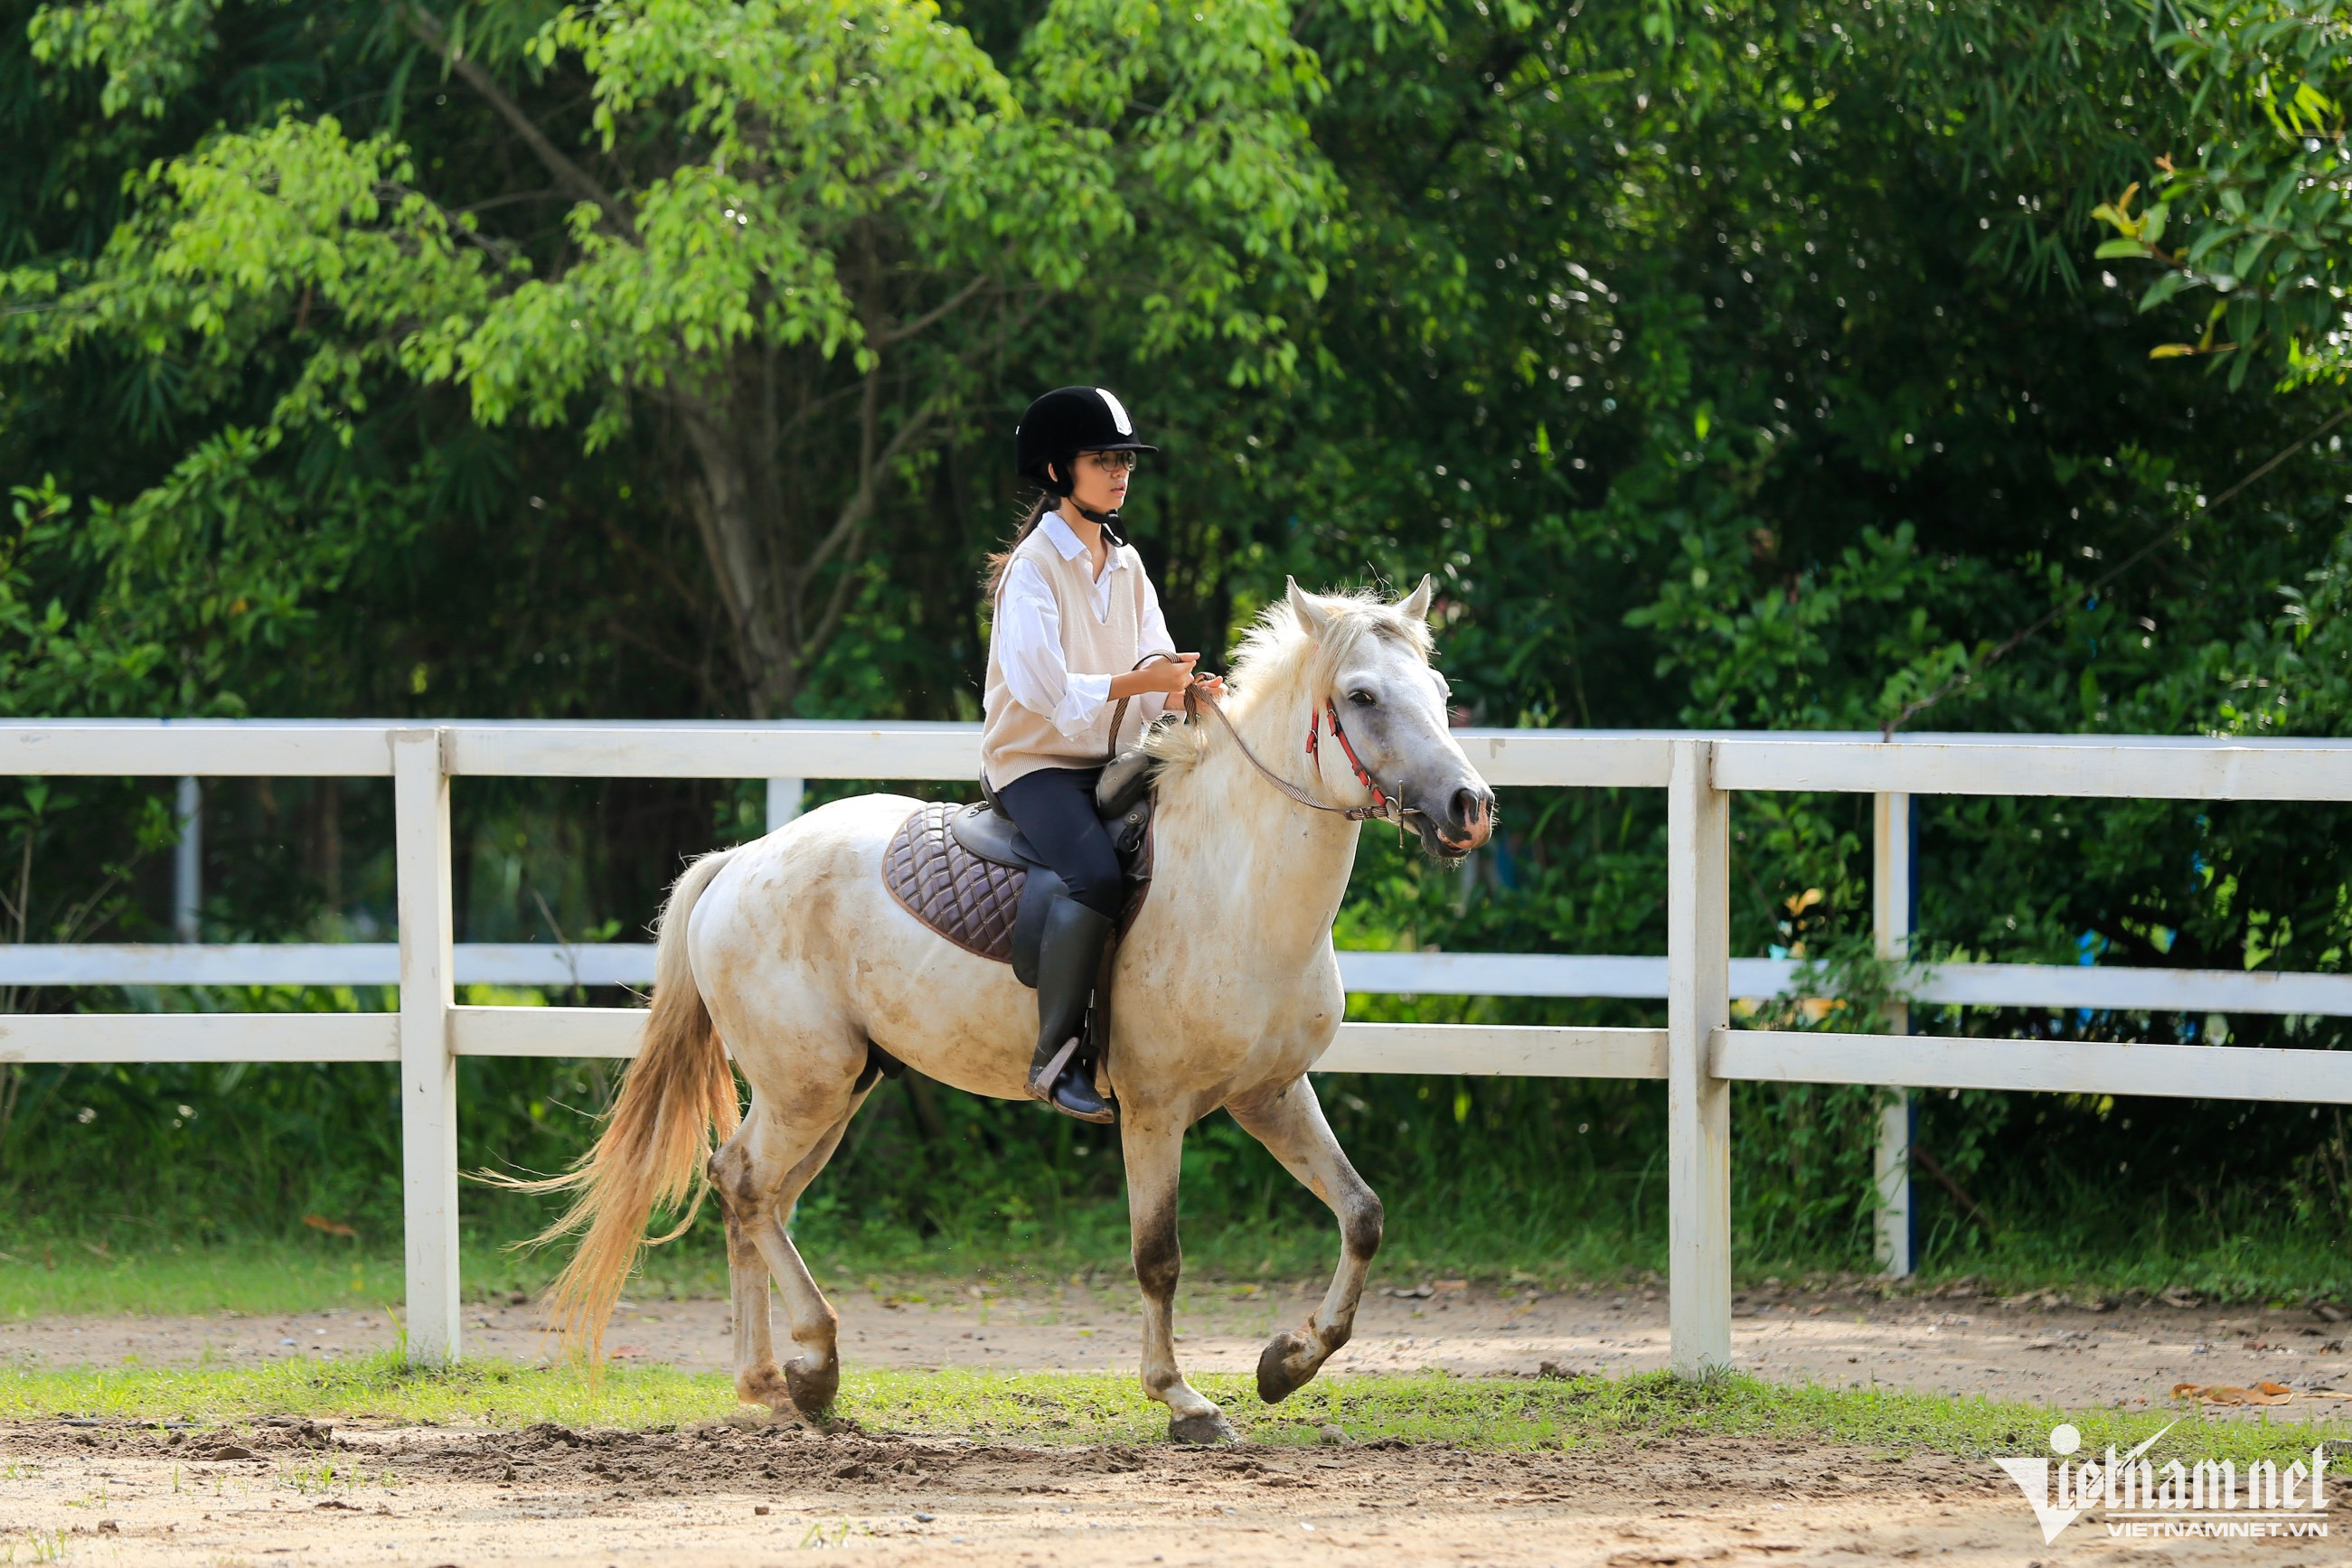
1000,561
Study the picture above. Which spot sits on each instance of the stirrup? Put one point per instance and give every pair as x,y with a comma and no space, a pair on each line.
1063,1083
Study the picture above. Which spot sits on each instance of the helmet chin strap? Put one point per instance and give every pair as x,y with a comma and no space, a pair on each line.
1106,521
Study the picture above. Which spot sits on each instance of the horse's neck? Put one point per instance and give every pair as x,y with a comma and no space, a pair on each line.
1274,870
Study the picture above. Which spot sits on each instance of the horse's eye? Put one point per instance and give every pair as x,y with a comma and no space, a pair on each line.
1362,698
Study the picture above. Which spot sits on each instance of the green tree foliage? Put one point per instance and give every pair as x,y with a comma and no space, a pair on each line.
785,218
2263,230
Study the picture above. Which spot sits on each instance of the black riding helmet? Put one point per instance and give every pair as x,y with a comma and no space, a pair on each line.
1065,422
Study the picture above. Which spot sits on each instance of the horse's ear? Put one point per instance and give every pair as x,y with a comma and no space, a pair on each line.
1313,619
1414,606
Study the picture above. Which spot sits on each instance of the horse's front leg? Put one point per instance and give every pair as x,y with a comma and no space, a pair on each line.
1290,1122
1154,1151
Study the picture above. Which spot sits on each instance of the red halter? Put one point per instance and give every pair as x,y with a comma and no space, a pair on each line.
1363,774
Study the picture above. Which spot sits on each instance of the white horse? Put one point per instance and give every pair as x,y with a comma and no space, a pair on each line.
790,956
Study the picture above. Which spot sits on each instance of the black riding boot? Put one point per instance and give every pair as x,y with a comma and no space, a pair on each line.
1068,956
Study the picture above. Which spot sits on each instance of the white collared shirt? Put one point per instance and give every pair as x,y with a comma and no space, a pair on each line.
1028,637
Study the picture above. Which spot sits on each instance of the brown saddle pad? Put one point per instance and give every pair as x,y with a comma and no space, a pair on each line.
971,902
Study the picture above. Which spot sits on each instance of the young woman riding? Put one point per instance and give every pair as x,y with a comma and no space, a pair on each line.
1073,617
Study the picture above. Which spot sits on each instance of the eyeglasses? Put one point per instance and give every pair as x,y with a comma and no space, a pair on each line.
1115,461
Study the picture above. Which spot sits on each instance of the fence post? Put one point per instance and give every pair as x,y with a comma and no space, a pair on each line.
783,802
188,863
428,1072
1891,899
1698,1103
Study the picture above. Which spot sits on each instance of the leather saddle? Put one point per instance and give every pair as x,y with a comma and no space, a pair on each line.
1122,801
967,873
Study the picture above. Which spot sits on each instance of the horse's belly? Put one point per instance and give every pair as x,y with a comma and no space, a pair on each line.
948,1014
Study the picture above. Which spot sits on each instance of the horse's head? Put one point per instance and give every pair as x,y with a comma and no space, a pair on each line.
1374,673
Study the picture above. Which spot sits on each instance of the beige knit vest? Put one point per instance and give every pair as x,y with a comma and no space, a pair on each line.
1016,740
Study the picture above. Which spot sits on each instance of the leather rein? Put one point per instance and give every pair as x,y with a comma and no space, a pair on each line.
1383,808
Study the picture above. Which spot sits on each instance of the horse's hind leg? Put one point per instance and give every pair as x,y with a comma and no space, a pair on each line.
1290,1123
1154,1160
759,1176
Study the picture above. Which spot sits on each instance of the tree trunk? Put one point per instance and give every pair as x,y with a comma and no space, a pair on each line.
736,501
783,554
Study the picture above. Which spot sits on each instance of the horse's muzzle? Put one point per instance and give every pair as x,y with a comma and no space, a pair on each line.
1470,820
1473,819
1465,821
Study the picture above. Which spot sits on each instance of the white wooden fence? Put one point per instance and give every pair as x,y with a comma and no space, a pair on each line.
1697,1053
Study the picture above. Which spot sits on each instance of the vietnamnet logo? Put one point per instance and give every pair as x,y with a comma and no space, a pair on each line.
2144,1499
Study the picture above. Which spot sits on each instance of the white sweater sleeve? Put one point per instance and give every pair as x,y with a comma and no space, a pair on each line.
1028,636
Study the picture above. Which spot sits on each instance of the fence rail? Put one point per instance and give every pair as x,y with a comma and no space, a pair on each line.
1697,1053
1637,979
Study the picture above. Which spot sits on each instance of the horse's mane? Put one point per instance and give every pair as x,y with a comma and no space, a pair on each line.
1278,655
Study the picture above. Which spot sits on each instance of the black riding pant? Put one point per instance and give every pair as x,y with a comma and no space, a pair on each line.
1054,808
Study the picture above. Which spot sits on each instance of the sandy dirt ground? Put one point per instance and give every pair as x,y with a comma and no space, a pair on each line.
744,1493
2039,1350
744,1497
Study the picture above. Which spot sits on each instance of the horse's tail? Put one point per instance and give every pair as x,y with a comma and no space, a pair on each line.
657,1140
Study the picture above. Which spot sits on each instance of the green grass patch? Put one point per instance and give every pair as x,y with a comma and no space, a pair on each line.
266,1277
262,1277
301,1274
1079,1408
305,1273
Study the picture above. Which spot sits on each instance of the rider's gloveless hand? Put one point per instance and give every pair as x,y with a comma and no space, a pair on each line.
1168,676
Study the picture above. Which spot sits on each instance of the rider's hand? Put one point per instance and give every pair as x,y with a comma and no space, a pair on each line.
1166,676
1209,686
1170,675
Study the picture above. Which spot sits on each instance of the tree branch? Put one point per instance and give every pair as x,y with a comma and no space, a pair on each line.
624,545
930,318
860,506
507,201
1968,1206
861,500
836,605
811,407
435,36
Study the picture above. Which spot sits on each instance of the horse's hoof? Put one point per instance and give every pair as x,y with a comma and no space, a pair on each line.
1209,1430
1275,1380
812,1389
765,1385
